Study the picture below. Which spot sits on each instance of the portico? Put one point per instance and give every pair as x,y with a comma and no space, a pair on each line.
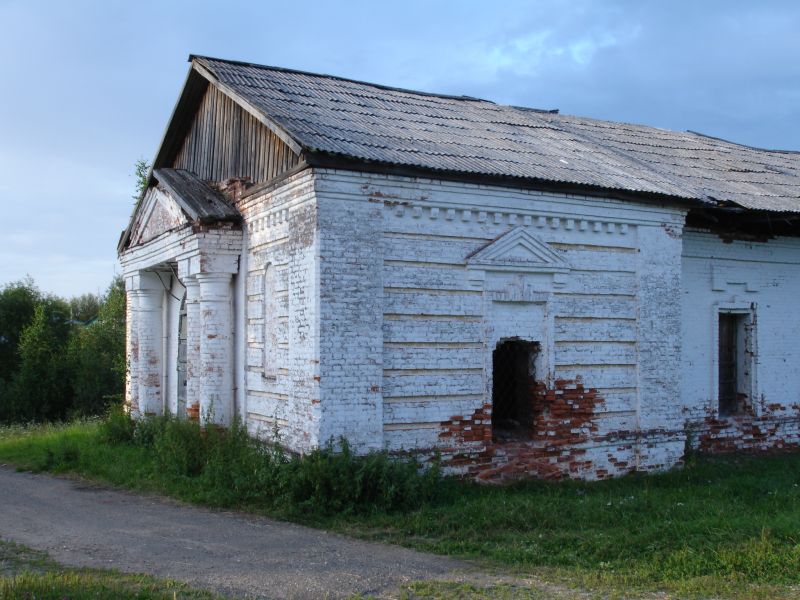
180,262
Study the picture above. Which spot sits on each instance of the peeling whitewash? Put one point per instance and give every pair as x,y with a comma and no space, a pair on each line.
368,307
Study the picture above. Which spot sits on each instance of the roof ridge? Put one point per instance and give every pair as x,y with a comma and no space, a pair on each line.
749,147
338,78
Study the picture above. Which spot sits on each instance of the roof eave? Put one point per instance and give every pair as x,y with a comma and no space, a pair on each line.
326,160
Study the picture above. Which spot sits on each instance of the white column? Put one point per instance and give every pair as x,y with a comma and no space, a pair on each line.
150,296
131,350
193,327
216,349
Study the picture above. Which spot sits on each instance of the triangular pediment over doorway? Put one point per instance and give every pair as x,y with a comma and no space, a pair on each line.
518,250
177,198
158,214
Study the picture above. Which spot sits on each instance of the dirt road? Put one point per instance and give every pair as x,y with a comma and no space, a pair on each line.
79,524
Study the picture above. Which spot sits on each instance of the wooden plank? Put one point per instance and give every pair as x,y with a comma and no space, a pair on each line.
246,105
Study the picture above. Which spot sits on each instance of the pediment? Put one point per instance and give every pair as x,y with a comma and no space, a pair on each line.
520,251
158,213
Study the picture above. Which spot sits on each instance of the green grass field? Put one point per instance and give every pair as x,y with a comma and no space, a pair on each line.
720,527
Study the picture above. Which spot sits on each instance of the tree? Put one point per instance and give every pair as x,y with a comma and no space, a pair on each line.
85,307
97,355
18,302
141,171
40,389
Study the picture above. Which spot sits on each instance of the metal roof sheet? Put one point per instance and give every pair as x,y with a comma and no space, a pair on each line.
370,122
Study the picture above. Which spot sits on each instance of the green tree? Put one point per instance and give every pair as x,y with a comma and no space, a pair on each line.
40,389
97,355
141,171
85,307
18,302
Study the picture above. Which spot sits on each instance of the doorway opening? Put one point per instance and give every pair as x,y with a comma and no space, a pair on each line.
732,361
513,381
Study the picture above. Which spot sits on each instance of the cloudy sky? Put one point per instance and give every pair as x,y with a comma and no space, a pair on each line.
86,87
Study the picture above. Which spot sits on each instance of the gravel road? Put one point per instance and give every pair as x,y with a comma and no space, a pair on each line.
80,524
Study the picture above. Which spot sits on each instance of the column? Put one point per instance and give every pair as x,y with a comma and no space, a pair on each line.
192,347
150,296
131,350
216,348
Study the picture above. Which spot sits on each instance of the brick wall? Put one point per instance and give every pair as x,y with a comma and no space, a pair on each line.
609,343
761,281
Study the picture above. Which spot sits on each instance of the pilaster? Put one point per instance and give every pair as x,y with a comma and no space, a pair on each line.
193,327
216,348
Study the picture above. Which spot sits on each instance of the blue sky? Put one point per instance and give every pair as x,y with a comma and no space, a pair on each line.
86,88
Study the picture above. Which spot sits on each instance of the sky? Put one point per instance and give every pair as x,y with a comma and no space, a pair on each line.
86,88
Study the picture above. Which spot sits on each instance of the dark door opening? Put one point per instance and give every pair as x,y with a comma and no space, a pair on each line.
514,376
729,371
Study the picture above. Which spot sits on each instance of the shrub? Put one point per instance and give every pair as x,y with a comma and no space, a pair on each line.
117,427
231,468
180,447
328,481
242,469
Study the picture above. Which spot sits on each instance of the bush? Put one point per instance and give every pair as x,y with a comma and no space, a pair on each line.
117,427
231,468
341,482
242,469
180,447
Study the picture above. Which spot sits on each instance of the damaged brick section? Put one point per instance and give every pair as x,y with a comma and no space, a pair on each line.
563,423
747,433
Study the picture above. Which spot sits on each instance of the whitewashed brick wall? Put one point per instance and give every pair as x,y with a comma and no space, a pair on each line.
283,400
761,277
607,323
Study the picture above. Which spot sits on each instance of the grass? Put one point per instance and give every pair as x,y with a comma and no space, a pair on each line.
721,527
26,574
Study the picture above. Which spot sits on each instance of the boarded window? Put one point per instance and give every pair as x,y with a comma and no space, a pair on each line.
270,324
513,381
732,363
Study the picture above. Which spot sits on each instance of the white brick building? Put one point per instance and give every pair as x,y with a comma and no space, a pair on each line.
524,292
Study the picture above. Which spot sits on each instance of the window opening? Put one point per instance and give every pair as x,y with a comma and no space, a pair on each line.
513,381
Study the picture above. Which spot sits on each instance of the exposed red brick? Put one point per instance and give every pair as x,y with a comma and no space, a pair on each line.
563,422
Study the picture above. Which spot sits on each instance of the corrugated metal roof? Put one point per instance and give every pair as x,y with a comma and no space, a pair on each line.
370,122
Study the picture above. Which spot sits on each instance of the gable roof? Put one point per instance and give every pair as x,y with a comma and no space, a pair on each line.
322,115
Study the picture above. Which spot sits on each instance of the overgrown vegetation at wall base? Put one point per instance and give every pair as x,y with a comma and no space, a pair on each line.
721,527
221,467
